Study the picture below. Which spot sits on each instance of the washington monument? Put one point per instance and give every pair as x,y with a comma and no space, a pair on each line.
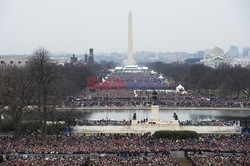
131,60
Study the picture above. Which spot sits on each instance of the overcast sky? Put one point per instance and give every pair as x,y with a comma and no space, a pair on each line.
158,25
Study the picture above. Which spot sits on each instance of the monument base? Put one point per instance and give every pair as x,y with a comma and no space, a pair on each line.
134,122
154,117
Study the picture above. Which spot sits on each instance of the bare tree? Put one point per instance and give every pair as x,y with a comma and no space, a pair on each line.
45,79
16,92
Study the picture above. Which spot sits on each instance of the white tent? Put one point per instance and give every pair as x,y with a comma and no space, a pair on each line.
180,88
161,77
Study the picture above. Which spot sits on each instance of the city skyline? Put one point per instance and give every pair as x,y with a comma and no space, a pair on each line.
158,26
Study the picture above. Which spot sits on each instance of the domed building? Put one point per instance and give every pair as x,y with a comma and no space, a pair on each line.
216,51
215,57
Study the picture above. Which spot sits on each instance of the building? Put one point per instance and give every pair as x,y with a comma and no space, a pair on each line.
86,59
200,54
192,60
216,56
58,61
89,59
243,62
246,52
18,61
233,52
91,56
73,60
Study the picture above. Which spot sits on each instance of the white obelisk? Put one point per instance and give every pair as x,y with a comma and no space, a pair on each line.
131,60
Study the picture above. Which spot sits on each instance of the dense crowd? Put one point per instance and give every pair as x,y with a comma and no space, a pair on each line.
103,122
117,143
109,122
208,160
143,98
156,160
220,122
159,160
137,91
44,161
131,95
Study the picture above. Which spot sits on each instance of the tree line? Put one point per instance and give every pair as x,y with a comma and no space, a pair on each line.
39,86
225,80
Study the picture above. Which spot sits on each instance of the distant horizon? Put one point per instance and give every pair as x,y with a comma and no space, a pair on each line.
86,52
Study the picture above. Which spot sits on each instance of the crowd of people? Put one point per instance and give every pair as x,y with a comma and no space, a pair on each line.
219,160
103,122
155,160
109,122
47,161
129,149
121,143
136,91
220,122
143,98
106,160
